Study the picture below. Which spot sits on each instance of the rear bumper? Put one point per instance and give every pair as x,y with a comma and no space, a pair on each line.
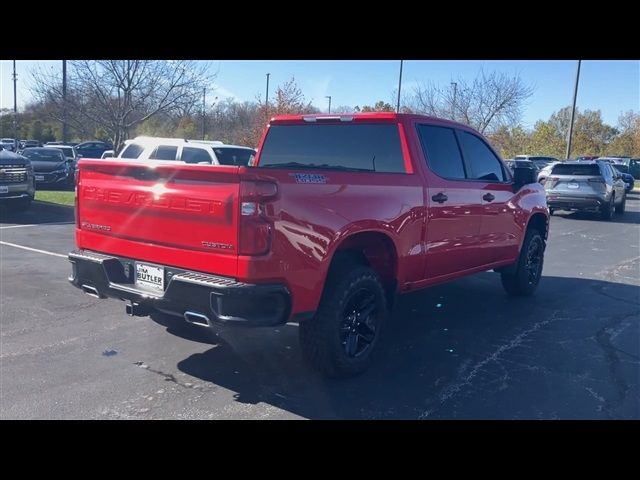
18,190
575,203
200,298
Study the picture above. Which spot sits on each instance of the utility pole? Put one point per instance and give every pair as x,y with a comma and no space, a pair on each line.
329,97
266,96
15,108
573,110
64,101
204,118
453,105
399,88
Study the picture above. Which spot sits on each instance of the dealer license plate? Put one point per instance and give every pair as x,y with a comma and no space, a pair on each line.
4,189
150,277
573,185
39,178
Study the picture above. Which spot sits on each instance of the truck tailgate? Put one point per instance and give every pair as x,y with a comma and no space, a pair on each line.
172,214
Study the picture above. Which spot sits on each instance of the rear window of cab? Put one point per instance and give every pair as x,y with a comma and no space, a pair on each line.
373,147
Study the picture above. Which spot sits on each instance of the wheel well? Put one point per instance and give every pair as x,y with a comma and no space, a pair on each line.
375,250
539,222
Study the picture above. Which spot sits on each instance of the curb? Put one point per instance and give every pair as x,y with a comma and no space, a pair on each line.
53,206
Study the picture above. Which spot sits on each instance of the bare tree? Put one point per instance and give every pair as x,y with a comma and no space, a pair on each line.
118,95
488,101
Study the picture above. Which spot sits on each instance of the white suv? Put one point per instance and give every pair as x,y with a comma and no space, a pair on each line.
188,151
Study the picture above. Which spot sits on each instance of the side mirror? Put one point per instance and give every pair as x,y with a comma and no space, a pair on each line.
523,176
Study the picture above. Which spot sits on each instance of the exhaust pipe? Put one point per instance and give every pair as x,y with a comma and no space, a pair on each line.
134,309
91,291
197,319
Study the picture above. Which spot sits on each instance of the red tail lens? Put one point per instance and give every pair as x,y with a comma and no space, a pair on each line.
257,191
76,202
255,229
255,236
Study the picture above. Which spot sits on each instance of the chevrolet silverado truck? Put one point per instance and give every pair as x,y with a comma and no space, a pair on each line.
17,183
336,216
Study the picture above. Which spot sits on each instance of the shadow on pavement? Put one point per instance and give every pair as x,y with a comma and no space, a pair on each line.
460,350
38,213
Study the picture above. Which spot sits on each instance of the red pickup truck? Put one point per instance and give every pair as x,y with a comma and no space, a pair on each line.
337,216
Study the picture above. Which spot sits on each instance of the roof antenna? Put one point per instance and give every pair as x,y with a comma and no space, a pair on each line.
373,160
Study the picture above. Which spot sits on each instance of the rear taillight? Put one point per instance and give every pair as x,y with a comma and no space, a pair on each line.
550,182
255,228
76,210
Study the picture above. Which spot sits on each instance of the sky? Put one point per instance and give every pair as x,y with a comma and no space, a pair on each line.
609,86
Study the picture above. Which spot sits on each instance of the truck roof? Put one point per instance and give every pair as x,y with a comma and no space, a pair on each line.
359,117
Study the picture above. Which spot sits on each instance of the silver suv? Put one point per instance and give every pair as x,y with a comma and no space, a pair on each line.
593,186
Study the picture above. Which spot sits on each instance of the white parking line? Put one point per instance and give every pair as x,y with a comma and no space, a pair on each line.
33,249
36,225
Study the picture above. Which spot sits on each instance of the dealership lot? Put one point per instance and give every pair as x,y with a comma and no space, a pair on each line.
462,350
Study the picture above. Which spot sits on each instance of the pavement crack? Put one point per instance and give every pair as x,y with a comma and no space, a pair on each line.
169,377
603,339
453,389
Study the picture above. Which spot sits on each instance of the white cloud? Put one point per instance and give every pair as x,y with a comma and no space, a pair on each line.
224,93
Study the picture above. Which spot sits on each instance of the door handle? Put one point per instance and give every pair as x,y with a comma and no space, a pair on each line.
440,198
488,197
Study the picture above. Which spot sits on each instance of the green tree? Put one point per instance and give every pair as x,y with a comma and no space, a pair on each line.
546,140
627,142
186,128
510,141
591,136
380,106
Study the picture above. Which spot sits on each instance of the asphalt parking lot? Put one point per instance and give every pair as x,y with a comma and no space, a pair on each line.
464,350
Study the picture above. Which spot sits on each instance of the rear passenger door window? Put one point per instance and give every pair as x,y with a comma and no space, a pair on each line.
164,152
482,162
132,151
442,151
195,155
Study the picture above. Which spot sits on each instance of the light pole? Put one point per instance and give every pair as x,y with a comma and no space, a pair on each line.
64,101
573,110
453,105
329,97
204,118
266,96
15,108
399,88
